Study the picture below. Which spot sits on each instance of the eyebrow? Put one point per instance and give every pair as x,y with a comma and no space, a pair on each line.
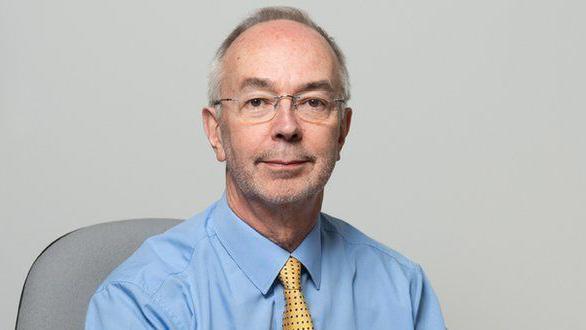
256,83
261,83
324,85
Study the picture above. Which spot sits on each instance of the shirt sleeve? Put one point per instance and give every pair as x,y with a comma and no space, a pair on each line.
427,314
126,306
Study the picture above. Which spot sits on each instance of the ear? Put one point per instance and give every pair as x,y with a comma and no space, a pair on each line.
211,125
344,128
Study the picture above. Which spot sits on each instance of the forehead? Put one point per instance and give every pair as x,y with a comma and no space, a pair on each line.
285,52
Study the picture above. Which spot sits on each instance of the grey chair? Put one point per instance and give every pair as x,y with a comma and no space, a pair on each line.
64,276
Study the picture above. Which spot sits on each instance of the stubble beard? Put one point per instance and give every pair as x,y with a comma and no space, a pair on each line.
242,173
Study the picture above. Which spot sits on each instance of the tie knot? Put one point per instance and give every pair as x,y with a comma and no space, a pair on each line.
290,274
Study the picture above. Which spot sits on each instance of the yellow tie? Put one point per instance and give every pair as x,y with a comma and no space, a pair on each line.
296,315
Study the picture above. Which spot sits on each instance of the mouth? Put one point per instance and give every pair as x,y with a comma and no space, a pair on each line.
285,164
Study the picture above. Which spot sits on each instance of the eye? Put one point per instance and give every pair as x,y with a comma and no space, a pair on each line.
256,102
315,103
256,106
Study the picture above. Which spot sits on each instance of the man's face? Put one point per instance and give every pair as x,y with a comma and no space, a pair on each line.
285,159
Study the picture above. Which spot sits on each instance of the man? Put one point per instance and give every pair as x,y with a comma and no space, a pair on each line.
263,256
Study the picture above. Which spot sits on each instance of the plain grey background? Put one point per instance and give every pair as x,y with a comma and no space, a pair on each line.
467,150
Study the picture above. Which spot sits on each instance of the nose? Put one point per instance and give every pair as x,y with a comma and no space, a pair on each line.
285,125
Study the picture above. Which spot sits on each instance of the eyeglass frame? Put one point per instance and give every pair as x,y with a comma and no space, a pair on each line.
277,99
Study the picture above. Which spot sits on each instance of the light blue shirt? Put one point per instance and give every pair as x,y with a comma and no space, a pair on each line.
214,271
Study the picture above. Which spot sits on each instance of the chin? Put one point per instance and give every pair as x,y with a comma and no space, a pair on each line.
278,191
288,196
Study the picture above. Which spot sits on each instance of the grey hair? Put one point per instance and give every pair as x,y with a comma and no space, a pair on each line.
270,14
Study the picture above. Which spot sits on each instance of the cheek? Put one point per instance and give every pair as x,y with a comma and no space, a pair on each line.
246,141
324,142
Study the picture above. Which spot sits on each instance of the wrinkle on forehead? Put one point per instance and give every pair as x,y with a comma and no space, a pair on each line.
255,83
280,31
285,49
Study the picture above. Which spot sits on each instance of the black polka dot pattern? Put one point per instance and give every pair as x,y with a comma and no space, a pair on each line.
296,315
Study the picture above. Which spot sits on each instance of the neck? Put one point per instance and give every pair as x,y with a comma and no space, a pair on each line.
284,224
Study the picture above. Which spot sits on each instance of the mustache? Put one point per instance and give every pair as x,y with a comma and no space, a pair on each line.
281,154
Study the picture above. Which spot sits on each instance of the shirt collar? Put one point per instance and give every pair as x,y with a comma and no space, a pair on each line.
258,257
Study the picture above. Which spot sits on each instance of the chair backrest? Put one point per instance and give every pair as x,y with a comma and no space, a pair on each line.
64,276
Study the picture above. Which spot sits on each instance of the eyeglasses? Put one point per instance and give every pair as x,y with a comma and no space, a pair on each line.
311,106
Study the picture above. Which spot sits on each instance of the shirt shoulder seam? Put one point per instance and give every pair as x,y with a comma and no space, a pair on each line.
407,263
187,263
152,298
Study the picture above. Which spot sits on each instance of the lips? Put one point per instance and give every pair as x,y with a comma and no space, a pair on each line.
285,162
280,165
